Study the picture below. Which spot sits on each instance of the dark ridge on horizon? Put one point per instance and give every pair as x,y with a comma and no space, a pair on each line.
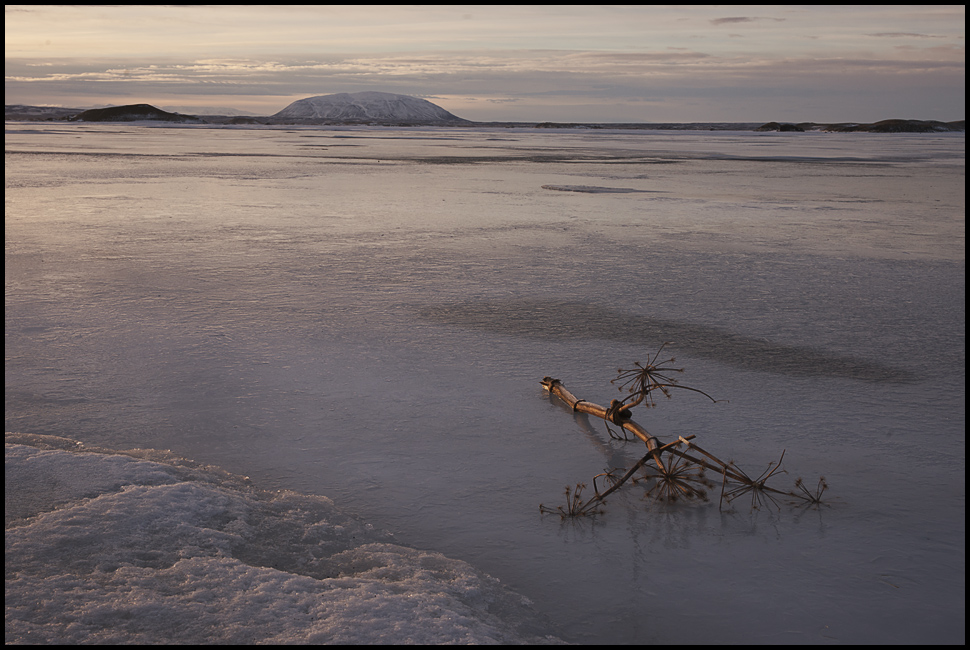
131,113
883,126
147,112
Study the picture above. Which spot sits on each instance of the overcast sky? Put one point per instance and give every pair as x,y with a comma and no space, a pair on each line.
580,63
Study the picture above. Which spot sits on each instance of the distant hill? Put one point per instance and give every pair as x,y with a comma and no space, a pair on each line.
131,113
884,126
23,112
367,107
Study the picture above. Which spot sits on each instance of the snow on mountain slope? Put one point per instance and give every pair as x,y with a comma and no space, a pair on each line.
367,106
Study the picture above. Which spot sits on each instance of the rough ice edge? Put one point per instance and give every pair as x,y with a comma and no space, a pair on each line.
142,546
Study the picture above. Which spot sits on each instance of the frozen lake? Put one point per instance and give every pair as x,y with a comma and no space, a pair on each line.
366,314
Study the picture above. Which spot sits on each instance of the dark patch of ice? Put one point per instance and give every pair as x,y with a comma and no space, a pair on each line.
561,319
592,189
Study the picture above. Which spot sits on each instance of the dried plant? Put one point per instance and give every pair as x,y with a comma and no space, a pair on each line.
622,435
761,494
642,381
609,476
677,478
812,498
575,506
678,475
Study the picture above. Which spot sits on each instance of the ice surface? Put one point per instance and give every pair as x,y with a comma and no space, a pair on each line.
366,314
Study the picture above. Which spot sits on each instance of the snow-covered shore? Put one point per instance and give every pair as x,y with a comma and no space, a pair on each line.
141,546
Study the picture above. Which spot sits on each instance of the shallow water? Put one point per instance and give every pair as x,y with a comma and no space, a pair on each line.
366,314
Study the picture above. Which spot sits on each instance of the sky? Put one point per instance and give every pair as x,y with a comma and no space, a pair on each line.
570,63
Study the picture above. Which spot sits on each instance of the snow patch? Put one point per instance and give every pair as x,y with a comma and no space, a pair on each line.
107,547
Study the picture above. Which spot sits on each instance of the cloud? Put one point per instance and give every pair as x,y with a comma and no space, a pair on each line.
905,35
523,58
507,74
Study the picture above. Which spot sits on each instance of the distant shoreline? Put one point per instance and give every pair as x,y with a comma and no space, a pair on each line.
23,113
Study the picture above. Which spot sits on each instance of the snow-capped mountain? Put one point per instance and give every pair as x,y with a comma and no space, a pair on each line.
366,107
